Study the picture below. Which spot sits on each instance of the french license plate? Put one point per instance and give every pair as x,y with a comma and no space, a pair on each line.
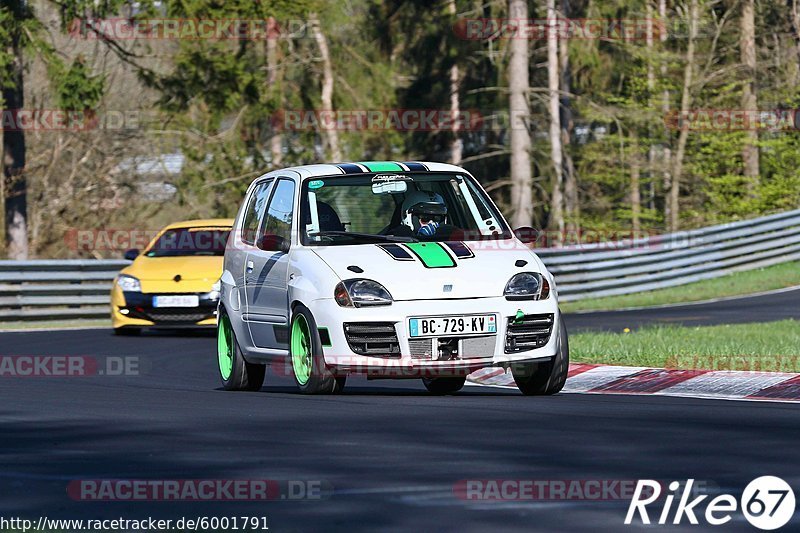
438,326
181,300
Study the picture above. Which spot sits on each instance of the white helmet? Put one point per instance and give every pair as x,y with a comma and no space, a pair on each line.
426,203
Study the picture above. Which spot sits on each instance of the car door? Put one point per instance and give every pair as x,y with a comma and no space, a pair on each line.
244,238
266,271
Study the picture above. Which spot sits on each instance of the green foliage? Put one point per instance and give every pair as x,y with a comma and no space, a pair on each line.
77,89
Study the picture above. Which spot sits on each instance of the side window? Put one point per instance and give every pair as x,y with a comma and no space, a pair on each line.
278,220
254,212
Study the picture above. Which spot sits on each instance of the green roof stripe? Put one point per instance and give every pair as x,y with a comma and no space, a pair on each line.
382,166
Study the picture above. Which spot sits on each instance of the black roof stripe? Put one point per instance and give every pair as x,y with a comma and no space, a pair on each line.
350,168
414,165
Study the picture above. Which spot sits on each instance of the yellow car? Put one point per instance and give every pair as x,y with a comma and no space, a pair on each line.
175,281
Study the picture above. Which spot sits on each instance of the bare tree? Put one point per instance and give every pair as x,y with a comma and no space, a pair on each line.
276,141
794,19
331,135
571,202
686,102
747,49
518,86
556,221
636,194
667,155
456,145
14,181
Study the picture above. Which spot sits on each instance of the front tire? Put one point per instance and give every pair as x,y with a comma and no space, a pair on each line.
442,386
540,379
236,373
311,374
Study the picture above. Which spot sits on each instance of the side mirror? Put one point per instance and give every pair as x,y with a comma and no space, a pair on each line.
526,234
273,243
131,254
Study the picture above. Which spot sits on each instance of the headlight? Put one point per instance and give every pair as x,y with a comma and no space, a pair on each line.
129,283
361,293
214,293
527,286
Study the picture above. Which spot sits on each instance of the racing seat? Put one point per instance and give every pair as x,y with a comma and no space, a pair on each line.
328,218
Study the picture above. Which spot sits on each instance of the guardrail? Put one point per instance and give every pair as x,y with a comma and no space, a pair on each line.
54,289
72,289
669,260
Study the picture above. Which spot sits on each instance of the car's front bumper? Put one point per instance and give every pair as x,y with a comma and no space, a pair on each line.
412,357
135,309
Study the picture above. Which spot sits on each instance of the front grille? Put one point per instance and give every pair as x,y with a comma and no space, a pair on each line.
477,347
377,339
528,333
468,348
178,315
421,348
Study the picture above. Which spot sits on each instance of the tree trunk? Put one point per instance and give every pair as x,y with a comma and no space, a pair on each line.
14,182
331,135
456,144
651,88
556,221
276,141
794,18
571,203
636,195
518,87
666,159
686,101
747,49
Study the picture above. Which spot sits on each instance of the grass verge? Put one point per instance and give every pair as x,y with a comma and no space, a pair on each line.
769,346
56,324
764,279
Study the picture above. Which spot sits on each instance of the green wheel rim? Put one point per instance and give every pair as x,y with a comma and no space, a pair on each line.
225,347
301,350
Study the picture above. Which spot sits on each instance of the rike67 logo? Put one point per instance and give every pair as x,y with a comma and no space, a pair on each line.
767,503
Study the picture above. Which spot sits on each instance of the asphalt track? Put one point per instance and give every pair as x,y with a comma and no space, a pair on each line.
391,452
765,307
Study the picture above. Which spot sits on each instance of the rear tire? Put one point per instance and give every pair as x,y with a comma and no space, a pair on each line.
442,386
127,332
540,379
236,373
311,374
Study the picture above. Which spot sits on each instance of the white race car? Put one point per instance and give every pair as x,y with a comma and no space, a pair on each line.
393,270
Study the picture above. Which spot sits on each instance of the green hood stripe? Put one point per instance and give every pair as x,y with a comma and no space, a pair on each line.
382,166
432,254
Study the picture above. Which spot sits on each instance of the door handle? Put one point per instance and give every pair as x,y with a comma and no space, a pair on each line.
250,267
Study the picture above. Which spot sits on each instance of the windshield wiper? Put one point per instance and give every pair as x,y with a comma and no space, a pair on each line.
361,236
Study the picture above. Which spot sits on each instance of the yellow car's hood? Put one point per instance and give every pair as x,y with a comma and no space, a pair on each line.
176,274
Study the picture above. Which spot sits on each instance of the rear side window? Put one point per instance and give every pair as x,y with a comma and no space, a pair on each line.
254,212
279,213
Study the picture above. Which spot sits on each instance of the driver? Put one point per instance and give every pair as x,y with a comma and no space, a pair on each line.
423,212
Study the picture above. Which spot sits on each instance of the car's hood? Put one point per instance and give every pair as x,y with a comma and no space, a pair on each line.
433,271
189,268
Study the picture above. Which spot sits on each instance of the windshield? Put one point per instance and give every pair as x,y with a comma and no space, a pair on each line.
386,207
190,242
